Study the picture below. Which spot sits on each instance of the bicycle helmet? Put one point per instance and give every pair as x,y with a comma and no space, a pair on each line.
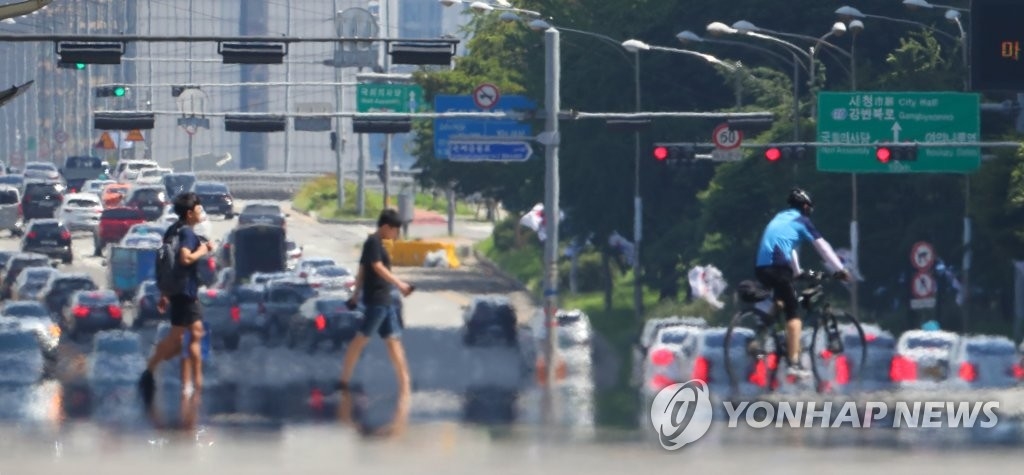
798,198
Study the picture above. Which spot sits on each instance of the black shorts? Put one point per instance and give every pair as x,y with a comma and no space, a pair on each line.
780,280
184,311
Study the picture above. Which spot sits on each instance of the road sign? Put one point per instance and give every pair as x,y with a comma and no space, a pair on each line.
105,142
503,129
725,138
470,151
312,124
135,136
389,97
61,136
923,286
192,102
872,118
723,155
486,96
922,256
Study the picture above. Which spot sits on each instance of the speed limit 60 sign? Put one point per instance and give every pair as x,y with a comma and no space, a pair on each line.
725,138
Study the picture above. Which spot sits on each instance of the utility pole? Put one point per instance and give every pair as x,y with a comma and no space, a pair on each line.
550,141
287,88
191,154
638,207
387,140
338,131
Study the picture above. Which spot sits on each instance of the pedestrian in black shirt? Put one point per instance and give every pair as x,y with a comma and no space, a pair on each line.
375,279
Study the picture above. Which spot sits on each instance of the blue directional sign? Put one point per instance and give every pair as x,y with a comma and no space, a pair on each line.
446,130
459,151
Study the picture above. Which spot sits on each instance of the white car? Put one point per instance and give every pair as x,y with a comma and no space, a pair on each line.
331,278
33,316
127,170
922,358
151,176
202,229
307,264
294,254
81,211
142,240
573,327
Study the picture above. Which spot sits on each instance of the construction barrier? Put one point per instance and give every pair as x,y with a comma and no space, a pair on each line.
414,253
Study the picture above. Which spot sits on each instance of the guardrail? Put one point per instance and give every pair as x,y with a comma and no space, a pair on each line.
283,186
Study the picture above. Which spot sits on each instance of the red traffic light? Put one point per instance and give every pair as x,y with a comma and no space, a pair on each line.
660,153
883,154
773,154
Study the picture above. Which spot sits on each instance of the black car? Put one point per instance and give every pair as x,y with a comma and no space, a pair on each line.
146,299
216,198
262,213
252,303
177,183
91,311
221,317
48,237
15,265
41,199
323,319
490,320
59,289
284,297
258,248
148,199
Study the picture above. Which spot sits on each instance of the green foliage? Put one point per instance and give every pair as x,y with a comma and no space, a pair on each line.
321,196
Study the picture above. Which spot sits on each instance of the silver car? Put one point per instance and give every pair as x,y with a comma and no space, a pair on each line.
80,211
11,217
985,362
922,358
573,327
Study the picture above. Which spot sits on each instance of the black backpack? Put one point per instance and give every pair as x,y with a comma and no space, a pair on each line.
170,275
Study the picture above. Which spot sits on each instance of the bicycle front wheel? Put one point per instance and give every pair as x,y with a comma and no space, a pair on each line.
837,360
750,352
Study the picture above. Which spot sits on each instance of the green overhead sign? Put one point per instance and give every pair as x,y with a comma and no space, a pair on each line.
389,98
875,118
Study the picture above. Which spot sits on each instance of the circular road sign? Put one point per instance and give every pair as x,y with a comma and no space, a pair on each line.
923,286
61,136
726,138
922,255
486,96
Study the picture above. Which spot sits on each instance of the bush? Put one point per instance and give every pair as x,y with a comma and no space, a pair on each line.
505,234
589,274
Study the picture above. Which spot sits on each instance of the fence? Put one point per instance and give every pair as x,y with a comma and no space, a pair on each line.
259,185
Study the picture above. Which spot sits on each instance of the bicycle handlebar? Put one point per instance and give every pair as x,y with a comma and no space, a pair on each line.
821,276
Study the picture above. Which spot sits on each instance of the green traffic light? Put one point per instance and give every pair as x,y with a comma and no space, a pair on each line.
79,65
119,91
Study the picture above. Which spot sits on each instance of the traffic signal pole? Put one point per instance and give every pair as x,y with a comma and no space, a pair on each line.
638,214
551,211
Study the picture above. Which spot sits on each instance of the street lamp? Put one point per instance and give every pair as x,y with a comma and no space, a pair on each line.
484,7
850,13
634,46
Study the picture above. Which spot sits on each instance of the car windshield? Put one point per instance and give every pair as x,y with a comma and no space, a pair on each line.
16,180
247,295
332,271
122,214
673,337
95,299
929,343
83,162
331,306
148,195
262,209
11,342
40,166
991,348
81,203
8,197
210,188
38,274
41,190
25,310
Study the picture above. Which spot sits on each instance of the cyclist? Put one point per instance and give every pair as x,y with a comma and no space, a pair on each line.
778,264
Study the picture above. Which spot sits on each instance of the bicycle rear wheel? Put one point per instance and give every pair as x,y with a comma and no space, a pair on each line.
839,364
750,352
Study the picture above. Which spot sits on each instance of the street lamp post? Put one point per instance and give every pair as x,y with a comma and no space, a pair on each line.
550,140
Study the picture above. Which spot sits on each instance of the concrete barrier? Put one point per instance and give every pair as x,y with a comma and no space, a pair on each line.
414,253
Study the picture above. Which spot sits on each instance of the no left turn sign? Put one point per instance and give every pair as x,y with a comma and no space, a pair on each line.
923,286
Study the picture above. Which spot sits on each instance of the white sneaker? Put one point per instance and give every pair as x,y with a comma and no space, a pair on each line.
798,371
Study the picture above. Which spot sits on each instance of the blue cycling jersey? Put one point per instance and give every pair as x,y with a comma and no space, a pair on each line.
782,235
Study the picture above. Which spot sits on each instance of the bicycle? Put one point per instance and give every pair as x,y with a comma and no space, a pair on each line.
765,342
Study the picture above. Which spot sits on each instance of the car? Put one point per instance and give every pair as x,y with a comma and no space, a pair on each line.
294,254
80,211
33,316
839,373
11,217
648,336
148,229
150,199
170,370
41,171
151,176
177,183
142,240
216,198
307,264
15,180
79,169
258,248
331,279
670,358
116,359
31,281
490,320
252,303
264,278
132,167
323,319
145,302
21,357
922,358
222,316
91,311
15,265
41,200
113,195
48,237
983,361
573,327
284,297
59,289
114,225
225,279
263,213
96,187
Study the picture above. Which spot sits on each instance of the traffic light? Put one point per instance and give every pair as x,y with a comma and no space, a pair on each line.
178,90
675,154
67,65
111,91
896,153
380,172
784,152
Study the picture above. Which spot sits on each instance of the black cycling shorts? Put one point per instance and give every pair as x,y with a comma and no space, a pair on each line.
780,280
184,311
